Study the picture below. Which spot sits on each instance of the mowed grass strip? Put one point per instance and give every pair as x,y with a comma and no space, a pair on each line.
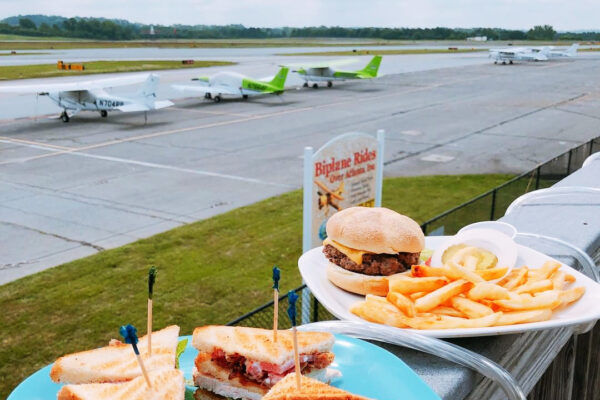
209,272
98,67
14,42
385,52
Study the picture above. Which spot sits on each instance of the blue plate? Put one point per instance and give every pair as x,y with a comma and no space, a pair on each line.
367,370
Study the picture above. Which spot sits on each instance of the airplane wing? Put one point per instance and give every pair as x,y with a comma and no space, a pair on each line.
322,64
162,104
134,107
207,89
89,84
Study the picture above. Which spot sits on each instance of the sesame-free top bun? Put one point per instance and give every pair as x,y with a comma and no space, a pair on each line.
376,230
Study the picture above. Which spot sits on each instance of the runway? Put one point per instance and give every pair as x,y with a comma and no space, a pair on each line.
70,190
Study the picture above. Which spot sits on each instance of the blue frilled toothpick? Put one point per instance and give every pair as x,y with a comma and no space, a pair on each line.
129,333
292,297
276,277
151,280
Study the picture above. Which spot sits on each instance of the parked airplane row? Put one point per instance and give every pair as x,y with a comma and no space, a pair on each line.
91,95
511,54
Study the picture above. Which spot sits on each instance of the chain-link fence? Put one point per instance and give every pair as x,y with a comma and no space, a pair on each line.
262,317
493,204
488,206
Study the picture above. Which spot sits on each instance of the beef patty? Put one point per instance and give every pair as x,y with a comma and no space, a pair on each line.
373,264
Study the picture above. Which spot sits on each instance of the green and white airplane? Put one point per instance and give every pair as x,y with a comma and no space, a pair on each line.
232,83
325,73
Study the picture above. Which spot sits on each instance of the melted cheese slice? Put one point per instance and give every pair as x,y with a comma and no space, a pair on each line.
353,254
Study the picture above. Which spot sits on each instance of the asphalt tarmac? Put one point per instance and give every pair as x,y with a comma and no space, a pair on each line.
70,190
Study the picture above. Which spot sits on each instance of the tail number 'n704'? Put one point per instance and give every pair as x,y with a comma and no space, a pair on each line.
109,103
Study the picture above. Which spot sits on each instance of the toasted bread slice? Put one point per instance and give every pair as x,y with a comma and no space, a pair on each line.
117,362
166,385
257,344
311,389
208,375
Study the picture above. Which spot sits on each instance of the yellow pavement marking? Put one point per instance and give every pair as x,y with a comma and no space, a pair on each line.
32,142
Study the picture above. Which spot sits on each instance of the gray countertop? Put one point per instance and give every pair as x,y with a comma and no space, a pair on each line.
575,219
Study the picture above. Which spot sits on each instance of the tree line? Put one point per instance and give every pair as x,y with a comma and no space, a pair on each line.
104,29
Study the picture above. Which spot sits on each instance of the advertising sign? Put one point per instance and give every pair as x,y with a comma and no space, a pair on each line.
345,172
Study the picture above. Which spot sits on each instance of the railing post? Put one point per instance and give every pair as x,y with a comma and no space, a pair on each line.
315,309
537,178
493,210
569,162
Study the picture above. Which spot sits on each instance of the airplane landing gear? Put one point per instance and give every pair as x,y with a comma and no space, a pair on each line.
305,84
510,62
245,96
503,62
207,96
217,99
329,84
103,113
495,62
65,117
315,86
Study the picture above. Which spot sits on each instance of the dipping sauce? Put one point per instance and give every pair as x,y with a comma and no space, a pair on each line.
470,256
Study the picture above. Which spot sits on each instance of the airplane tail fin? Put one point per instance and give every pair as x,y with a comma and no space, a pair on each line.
571,51
372,67
148,90
279,80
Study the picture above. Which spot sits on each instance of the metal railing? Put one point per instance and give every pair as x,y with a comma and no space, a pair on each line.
488,206
492,204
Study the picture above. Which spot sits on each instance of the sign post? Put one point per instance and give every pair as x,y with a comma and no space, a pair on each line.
346,172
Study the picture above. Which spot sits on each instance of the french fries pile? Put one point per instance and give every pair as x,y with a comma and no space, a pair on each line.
453,296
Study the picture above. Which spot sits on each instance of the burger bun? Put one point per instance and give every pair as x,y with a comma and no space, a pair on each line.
358,283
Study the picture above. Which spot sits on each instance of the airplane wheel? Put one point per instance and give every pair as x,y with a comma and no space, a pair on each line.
315,86
64,117
305,84
103,113
245,96
510,62
495,62
503,62
329,84
217,99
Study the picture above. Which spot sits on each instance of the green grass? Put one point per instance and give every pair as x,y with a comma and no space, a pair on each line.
21,53
210,272
98,67
31,43
7,36
385,52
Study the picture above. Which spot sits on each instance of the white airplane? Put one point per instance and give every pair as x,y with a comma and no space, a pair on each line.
508,55
232,83
91,95
552,52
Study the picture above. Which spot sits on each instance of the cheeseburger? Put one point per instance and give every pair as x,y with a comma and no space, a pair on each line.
366,244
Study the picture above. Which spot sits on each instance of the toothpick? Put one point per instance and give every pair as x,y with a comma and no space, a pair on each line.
129,333
149,327
151,280
292,297
296,358
276,277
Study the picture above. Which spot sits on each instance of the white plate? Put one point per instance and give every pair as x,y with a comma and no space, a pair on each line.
498,243
313,265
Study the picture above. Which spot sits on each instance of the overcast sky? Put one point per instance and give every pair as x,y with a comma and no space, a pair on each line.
512,14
